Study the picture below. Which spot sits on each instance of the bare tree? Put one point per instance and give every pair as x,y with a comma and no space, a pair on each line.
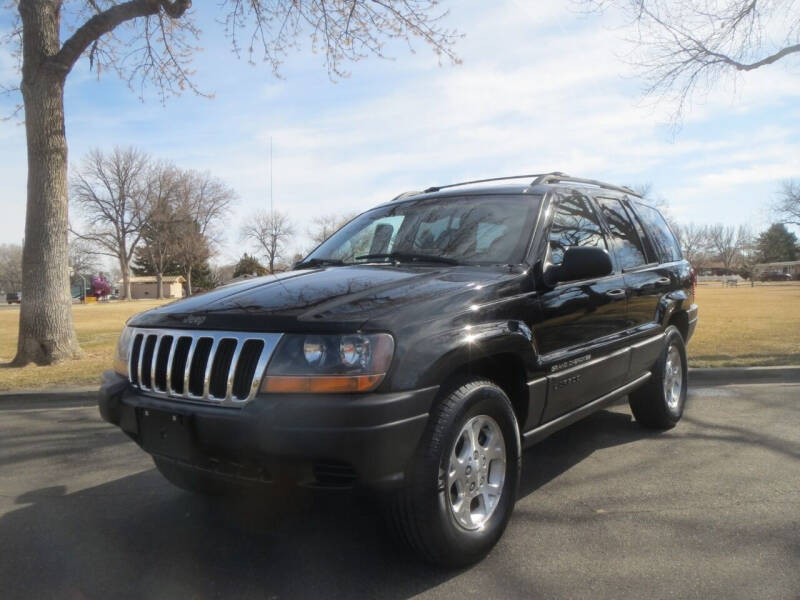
192,249
683,46
203,203
161,225
732,246
110,193
787,208
723,243
270,231
10,267
151,43
695,242
324,226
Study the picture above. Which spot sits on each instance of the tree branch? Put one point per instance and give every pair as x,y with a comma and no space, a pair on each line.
106,21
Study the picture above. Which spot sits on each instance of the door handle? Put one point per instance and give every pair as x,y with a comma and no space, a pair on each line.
663,280
615,293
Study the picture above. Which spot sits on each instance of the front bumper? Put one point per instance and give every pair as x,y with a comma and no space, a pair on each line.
316,440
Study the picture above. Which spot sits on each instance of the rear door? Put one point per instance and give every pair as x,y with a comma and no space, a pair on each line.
580,320
651,282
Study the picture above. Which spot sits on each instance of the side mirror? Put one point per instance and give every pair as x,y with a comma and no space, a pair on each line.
580,262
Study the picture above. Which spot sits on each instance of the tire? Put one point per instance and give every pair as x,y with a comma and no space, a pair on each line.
660,402
193,480
438,514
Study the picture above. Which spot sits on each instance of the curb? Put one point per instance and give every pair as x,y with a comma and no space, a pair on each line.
732,375
62,397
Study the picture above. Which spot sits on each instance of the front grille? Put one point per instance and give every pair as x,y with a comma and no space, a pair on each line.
218,367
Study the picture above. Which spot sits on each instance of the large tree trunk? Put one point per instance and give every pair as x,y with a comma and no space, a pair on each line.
46,330
189,281
126,278
160,285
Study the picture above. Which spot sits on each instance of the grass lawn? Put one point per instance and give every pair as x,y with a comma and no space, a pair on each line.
747,326
98,327
740,326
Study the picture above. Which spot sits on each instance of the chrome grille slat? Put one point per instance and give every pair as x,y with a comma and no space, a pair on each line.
222,378
232,370
141,357
171,358
154,362
210,365
188,368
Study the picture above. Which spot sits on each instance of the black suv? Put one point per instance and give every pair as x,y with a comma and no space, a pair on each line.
417,352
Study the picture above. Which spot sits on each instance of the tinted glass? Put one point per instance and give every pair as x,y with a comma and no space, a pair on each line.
626,242
469,229
659,233
574,224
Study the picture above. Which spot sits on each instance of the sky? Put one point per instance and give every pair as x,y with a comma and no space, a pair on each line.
540,88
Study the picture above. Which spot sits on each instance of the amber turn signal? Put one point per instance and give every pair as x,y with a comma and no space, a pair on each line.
334,384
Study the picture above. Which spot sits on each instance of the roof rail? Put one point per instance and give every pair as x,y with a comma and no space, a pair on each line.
557,177
406,195
450,185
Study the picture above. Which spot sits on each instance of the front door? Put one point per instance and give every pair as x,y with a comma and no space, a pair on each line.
581,321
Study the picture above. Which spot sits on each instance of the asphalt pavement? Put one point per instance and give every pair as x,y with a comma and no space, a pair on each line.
710,509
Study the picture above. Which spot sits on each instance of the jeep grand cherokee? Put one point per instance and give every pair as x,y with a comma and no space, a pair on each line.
417,352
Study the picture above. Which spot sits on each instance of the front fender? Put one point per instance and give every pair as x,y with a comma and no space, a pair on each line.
434,355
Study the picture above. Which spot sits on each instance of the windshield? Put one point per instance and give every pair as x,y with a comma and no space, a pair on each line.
466,229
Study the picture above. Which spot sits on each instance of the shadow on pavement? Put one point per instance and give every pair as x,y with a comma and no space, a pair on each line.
139,537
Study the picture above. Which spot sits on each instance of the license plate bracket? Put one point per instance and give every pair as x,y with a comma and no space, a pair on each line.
167,433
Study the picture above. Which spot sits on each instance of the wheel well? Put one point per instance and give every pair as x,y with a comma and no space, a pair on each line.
681,321
505,370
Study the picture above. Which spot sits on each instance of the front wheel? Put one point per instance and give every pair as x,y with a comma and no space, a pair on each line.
659,403
463,484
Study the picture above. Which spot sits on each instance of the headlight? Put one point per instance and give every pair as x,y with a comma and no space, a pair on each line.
123,351
329,363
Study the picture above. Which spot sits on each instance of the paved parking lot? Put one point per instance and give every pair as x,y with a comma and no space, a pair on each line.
710,509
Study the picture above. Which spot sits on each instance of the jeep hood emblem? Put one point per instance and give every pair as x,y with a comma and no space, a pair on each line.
194,320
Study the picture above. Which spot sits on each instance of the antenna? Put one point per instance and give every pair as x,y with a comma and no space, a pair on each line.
271,204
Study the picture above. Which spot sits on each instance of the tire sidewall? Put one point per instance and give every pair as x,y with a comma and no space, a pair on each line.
484,399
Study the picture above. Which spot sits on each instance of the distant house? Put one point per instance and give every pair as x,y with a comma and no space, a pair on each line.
715,269
147,286
790,267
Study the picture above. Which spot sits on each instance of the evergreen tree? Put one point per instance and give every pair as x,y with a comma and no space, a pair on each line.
249,265
777,244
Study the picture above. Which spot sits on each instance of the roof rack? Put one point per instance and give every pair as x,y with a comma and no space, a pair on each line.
449,185
553,177
557,177
406,195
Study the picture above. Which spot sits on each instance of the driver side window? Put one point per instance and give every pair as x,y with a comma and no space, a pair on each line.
574,224
376,238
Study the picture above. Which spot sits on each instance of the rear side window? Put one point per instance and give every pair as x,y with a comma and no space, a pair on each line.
574,224
624,238
659,233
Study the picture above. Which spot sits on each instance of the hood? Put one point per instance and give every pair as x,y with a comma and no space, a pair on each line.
329,299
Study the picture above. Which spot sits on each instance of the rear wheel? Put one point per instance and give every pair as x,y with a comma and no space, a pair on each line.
660,402
463,484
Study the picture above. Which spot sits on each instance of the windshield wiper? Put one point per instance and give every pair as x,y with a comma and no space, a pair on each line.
319,262
410,257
